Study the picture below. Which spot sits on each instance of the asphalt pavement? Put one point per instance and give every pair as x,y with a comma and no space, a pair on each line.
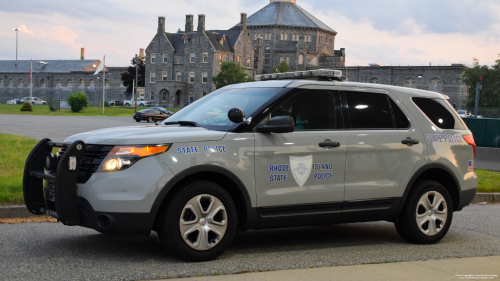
58,128
52,251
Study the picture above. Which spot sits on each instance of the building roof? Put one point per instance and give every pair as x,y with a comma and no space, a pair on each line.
231,36
285,14
49,66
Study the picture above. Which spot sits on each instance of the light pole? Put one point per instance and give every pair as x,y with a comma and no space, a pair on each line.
17,32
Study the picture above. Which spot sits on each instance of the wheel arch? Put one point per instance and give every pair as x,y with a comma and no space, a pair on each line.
439,173
219,175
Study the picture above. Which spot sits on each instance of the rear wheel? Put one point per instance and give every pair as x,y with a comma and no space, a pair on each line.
138,120
199,222
150,119
427,215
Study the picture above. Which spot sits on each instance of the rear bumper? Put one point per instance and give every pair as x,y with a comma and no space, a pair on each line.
466,197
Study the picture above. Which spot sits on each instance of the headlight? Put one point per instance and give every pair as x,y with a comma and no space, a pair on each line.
122,157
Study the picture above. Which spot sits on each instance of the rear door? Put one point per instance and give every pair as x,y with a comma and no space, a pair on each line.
385,144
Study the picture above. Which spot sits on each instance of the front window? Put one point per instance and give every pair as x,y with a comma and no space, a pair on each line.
205,57
191,77
193,57
152,76
152,95
153,57
165,57
178,76
164,76
211,111
204,77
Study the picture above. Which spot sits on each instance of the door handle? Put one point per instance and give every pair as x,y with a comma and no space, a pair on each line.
409,141
329,144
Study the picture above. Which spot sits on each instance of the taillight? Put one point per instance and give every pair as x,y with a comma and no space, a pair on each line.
470,140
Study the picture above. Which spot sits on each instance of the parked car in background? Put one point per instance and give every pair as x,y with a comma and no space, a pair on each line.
463,113
150,115
14,101
34,101
140,102
115,103
162,109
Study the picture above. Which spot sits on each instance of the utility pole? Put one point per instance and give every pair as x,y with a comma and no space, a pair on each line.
137,58
478,87
17,40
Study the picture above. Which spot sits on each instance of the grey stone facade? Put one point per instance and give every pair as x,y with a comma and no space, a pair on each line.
291,34
56,79
180,66
443,79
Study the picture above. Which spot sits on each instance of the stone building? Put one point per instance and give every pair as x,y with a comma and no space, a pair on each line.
56,79
180,65
283,31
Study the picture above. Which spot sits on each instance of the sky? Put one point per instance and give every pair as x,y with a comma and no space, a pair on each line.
390,32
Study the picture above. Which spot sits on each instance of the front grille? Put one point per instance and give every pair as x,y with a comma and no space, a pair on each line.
93,157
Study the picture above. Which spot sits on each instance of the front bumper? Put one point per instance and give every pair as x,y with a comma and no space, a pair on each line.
103,204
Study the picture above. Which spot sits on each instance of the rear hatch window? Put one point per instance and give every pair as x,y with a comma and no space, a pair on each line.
440,113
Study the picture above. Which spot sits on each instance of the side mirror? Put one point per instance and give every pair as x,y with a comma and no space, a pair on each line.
236,115
278,124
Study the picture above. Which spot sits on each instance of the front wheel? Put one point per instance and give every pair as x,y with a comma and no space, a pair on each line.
150,119
199,222
44,103
141,105
427,215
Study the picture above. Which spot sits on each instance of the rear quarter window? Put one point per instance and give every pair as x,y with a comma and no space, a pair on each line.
440,113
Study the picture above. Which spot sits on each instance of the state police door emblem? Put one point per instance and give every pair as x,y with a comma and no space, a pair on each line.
301,168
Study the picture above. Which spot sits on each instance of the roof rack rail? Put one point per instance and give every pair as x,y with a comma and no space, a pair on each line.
321,74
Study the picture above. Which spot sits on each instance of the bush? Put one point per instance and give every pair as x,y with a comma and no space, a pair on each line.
78,101
26,107
53,106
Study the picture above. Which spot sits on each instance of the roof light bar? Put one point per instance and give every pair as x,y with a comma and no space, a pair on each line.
321,74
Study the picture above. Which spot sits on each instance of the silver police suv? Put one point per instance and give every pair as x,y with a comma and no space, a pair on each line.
279,153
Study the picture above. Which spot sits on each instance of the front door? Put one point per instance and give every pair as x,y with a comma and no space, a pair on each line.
306,166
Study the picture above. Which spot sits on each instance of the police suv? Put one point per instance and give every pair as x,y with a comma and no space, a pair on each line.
279,153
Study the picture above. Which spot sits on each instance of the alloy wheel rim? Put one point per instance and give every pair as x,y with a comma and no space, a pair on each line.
431,213
203,222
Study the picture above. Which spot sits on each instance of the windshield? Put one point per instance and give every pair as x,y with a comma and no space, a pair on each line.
210,111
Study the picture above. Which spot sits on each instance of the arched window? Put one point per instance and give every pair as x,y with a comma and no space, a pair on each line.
42,83
287,60
301,58
58,82
310,38
267,56
69,82
435,85
11,83
374,80
286,36
293,37
1,83
255,36
81,83
409,83
282,36
20,83
91,82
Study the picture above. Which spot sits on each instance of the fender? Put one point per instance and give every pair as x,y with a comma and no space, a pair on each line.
417,174
193,170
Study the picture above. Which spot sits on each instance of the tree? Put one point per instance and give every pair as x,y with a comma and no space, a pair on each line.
129,76
489,96
230,73
78,101
282,67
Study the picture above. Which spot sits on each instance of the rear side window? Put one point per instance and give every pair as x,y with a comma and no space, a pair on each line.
438,111
369,110
399,117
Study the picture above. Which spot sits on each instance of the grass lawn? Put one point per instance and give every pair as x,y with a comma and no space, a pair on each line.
15,149
119,111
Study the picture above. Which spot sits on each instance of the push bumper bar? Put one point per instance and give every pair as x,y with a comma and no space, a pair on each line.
59,199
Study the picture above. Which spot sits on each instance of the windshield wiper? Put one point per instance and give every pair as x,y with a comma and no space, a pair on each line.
183,123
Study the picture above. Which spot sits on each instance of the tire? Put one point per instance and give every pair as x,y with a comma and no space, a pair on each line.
150,119
44,103
141,105
213,233
426,221
137,120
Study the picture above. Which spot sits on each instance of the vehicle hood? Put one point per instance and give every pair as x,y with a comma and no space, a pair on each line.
151,134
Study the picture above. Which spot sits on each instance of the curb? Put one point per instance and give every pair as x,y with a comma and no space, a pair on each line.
15,211
20,211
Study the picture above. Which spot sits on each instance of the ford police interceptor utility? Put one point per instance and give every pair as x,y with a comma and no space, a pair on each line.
266,154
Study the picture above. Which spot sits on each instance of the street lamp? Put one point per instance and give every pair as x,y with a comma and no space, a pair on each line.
17,32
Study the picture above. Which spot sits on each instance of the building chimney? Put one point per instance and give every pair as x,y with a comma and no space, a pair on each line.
141,54
243,21
161,24
189,23
82,54
201,22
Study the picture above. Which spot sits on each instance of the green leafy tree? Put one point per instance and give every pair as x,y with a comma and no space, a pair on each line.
129,76
489,96
230,73
78,102
282,67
